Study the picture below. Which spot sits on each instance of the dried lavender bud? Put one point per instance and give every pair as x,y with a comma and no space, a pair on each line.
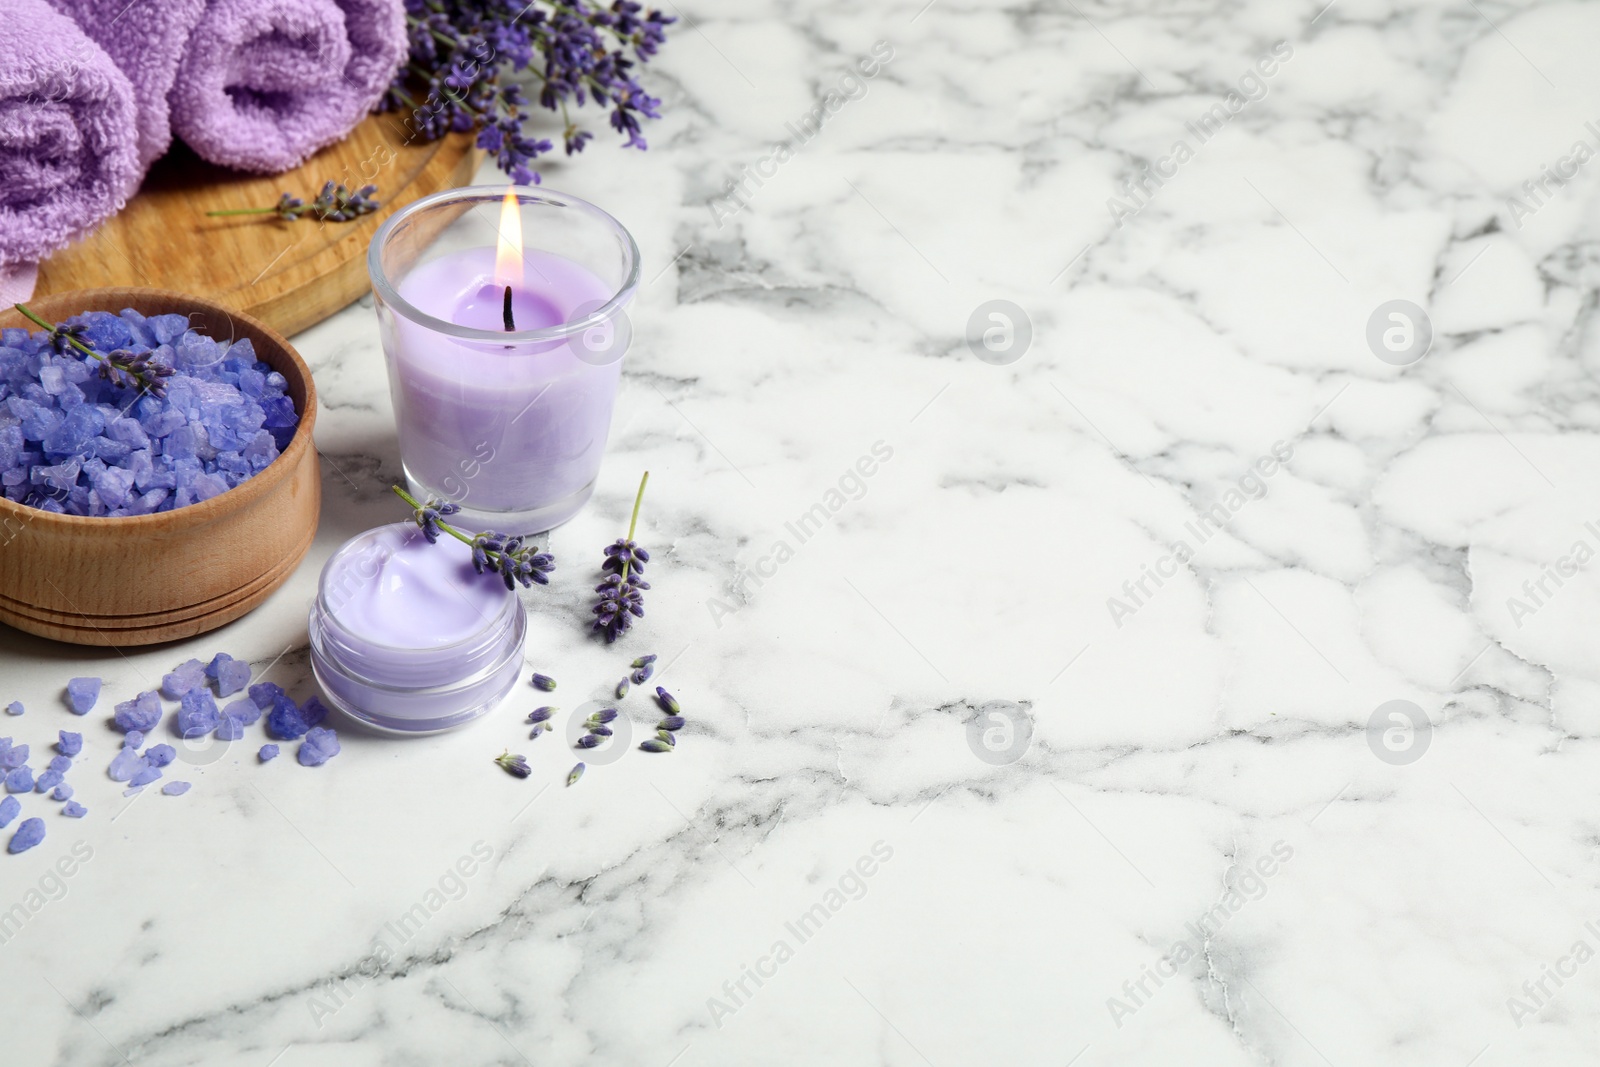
645,661
621,594
622,689
544,682
663,735
516,765
541,714
668,704
117,368
604,715
588,741
600,731
671,722
642,675
655,744
577,772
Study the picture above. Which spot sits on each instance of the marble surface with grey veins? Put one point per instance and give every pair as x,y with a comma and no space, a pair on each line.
1189,659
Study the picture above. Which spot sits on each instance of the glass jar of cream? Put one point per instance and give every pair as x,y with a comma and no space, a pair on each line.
407,637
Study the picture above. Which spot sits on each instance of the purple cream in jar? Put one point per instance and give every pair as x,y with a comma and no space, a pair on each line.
407,637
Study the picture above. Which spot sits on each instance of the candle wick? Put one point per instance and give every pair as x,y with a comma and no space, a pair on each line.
511,323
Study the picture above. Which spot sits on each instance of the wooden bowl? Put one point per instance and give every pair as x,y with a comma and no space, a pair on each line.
174,574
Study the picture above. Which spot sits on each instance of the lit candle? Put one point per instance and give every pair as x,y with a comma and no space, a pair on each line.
504,356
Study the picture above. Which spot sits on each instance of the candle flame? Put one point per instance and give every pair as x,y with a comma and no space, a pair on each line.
508,254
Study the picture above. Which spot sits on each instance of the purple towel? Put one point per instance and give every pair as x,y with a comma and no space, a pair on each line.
68,158
265,83
251,84
146,39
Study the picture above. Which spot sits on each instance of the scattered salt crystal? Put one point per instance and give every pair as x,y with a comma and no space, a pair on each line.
82,694
145,775
61,792
47,781
13,756
70,744
198,714
183,678
14,708
9,807
318,748
30,833
135,739
244,709
175,789
140,713
267,752
61,764
73,810
284,721
19,781
160,755
124,765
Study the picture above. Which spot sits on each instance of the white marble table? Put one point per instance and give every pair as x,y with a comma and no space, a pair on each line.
1057,739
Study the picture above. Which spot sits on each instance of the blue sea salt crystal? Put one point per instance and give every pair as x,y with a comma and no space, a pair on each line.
14,708
28,834
82,694
144,776
318,748
61,792
267,752
229,728
47,781
134,739
244,709
231,675
73,810
19,781
13,756
9,807
265,694
5,751
313,711
61,764
140,713
125,764
160,755
284,721
197,713
183,678
175,789
70,744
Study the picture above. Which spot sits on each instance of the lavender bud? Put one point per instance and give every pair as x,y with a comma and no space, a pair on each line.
541,714
544,682
668,703
655,744
577,772
671,722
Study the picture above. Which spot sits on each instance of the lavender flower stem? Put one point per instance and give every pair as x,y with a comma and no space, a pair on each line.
633,522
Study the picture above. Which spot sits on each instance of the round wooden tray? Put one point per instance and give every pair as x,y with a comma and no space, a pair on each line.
290,275
148,578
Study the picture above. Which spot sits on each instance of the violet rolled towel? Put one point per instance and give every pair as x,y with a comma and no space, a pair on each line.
68,160
265,83
146,39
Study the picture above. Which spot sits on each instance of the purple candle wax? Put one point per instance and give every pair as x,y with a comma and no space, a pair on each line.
408,637
504,427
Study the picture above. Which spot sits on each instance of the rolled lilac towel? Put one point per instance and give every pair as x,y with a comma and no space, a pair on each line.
67,155
146,40
265,83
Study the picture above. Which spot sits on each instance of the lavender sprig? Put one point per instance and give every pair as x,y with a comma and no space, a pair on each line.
506,556
119,368
334,203
621,594
461,51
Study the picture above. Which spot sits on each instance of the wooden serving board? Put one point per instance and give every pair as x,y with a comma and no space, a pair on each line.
291,275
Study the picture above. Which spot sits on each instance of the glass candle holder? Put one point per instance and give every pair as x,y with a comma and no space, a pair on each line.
407,637
502,315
